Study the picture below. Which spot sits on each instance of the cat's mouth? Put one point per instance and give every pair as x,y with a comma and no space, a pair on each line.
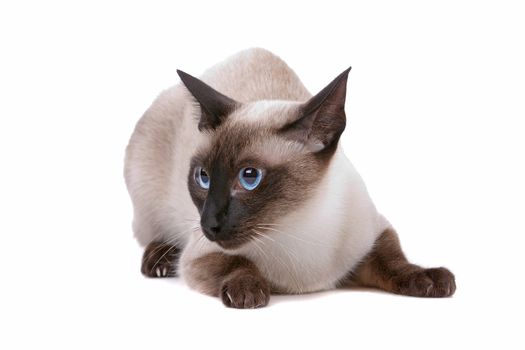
229,244
230,240
233,242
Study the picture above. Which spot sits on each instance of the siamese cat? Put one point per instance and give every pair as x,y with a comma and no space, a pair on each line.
239,185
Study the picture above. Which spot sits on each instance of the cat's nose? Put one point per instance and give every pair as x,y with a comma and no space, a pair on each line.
211,232
211,227
213,218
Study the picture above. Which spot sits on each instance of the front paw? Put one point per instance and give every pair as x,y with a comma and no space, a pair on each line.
244,291
159,260
434,283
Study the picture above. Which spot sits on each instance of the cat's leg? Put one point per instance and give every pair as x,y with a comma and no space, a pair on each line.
235,279
387,268
160,260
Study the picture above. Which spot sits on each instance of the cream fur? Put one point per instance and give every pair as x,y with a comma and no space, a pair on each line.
321,242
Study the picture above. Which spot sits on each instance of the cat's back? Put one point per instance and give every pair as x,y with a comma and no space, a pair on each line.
256,74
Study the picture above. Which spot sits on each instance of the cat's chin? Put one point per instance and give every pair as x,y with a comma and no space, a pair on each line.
230,244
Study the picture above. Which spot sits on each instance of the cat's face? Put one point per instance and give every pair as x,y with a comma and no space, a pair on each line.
263,160
248,176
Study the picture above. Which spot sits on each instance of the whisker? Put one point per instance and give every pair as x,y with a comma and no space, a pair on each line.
265,236
264,254
313,242
201,242
161,246
171,241
292,258
163,255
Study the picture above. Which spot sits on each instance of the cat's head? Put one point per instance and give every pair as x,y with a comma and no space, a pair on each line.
263,159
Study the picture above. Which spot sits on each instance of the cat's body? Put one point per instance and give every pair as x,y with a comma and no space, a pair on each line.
314,236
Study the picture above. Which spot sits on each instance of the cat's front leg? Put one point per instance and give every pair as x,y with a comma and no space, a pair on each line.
233,278
387,268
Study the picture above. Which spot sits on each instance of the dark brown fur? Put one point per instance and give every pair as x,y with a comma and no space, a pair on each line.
235,279
322,118
160,260
387,268
214,105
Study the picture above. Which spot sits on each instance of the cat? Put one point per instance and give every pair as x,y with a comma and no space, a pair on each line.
239,185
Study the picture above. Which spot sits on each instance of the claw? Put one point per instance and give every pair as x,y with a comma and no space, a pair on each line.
229,297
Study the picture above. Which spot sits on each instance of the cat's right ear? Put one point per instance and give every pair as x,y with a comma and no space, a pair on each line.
321,120
215,106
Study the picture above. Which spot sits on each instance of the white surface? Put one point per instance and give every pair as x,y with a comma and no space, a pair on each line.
435,110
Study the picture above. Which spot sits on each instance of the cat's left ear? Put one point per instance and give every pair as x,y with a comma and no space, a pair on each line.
215,106
321,119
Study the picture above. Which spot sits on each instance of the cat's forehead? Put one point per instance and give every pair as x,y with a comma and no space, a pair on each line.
252,133
266,113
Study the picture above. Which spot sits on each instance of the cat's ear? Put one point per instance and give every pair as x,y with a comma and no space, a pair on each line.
321,120
215,106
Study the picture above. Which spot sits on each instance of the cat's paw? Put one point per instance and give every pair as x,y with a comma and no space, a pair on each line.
434,283
159,260
245,292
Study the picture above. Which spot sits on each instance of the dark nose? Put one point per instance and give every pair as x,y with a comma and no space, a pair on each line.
211,227
213,220
215,212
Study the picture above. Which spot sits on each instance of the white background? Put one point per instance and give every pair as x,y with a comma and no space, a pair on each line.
435,111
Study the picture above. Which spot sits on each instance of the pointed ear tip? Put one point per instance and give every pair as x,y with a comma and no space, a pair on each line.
344,74
182,74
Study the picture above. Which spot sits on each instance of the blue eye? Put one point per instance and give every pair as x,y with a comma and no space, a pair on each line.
202,178
250,178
